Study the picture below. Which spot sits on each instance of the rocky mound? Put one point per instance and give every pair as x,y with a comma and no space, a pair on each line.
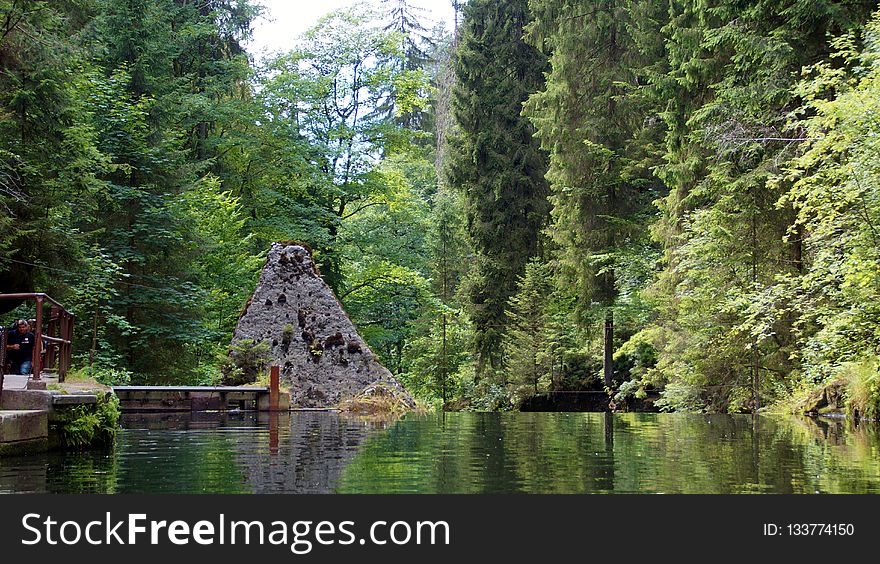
323,360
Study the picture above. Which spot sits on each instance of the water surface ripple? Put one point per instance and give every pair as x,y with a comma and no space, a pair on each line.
319,452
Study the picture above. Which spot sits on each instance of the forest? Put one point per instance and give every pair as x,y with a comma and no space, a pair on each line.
638,196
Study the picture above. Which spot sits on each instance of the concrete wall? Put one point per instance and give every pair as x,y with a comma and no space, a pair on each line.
178,398
23,431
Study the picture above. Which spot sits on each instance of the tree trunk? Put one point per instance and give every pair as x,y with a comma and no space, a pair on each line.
444,367
755,355
94,338
608,346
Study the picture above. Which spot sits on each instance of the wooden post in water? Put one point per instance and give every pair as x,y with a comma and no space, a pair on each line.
274,402
274,388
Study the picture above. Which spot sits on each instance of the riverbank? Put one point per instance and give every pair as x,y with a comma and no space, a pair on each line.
854,392
65,416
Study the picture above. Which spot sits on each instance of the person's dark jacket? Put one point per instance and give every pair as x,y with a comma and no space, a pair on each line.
25,342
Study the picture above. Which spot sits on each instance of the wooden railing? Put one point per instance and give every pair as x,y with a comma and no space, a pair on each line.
57,338
2,361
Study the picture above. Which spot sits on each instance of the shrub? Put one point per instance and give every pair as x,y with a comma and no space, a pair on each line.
246,361
82,426
863,390
112,376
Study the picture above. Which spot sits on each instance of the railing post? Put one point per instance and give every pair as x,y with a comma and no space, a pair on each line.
65,350
2,360
70,320
53,352
38,340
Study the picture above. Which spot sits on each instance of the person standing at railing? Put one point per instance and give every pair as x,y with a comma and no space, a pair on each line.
20,347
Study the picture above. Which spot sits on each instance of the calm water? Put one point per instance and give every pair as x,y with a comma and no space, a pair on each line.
464,452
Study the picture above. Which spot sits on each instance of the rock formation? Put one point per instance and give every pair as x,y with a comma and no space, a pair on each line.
322,358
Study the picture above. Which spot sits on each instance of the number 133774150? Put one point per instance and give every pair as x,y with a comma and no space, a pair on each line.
809,529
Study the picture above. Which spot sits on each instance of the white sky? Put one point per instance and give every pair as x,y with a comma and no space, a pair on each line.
285,20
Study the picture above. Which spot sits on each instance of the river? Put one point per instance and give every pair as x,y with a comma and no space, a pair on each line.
321,452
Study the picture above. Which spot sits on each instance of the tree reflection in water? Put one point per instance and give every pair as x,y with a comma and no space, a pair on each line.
315,452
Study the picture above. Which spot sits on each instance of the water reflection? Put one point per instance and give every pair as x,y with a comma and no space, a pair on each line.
316,452
311,451
603,453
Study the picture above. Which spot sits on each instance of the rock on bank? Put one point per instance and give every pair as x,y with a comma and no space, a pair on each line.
322,359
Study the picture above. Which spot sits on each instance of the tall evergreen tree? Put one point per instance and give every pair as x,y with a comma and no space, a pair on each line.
406,19
594,119
496,163
417,46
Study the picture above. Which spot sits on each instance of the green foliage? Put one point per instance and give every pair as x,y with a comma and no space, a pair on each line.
111,376
638,358
225,268
387,287
735,252
863,388
210,359
838,202
246,362
113,112
48,148
322,129
437,353
440,348
82,426
496,164
527,346
488,396
696,183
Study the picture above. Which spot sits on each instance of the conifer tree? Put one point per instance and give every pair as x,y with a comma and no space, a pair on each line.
406,19
527,342
48,153
593,118
495,162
